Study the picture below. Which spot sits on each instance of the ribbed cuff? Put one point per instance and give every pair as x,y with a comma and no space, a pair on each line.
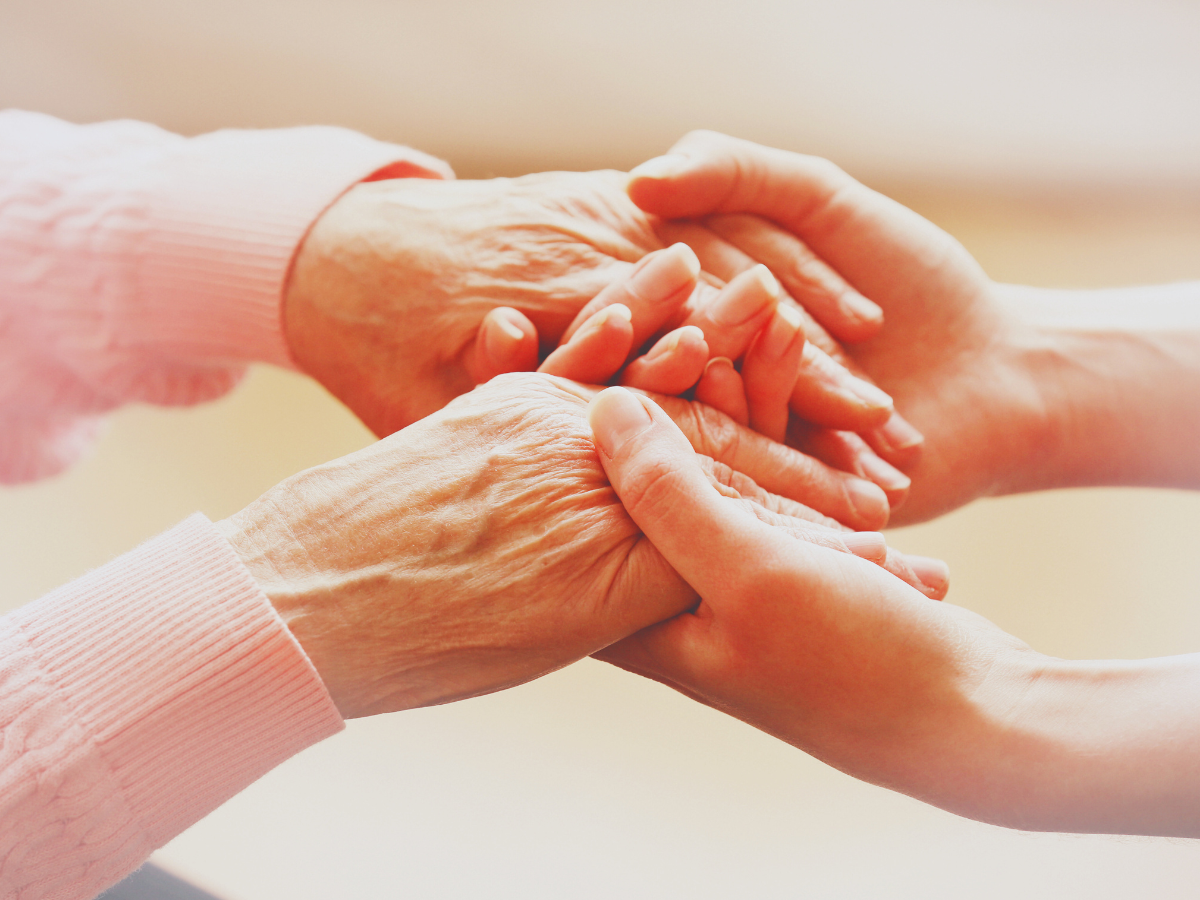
228,213
188,682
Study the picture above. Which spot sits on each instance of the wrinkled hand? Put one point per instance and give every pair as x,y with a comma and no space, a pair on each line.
409,292
946,351
390,288
597,351
481,546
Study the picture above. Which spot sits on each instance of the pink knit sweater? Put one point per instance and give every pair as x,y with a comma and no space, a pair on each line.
137,265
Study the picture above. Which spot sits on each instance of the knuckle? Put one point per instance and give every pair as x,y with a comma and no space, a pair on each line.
718,435
652,484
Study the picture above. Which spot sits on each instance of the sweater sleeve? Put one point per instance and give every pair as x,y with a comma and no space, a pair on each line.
136,700
140,266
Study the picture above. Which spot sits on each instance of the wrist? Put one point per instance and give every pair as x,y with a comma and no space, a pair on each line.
288,574
1094,746
1117,377
364,295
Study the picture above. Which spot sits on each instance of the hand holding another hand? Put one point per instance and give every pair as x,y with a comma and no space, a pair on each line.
946,350
843,660
409,292
481,546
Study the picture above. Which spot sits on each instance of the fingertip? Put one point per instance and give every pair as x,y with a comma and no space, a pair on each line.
616,416
933,574
660,185
687,256
894,482
868,545
722,388
865,315
770,284
897,435
617,310
868,502
506,342
870,395
660,167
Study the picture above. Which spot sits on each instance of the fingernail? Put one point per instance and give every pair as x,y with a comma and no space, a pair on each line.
502,338
867,544
669,343
718,360
661,166
933,573
861,308
617,310
666,274
897,434
616,417
601,319
868,500
738,304
766,279
869,394
510,329
688,255
883,473
780,332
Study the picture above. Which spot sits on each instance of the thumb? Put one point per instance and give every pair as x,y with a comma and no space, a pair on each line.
658,478
707,172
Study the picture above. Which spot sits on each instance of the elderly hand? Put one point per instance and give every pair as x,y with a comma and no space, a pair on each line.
846,662
480,547
408,292
391,286
949,353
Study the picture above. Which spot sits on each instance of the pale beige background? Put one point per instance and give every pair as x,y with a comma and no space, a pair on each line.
1059,140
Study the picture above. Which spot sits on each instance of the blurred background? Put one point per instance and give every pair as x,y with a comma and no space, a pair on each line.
1059,140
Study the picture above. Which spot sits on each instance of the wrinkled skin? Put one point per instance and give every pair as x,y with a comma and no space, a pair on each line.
389,288
474,550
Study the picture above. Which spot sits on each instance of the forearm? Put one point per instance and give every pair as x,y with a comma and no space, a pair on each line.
1100,747
1118,376
140,266
135,700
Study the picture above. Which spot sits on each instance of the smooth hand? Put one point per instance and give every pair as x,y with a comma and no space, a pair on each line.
947,351
841,659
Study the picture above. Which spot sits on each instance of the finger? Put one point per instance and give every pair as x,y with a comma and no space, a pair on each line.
929,576
732,483
851,500
596,351
770,370
672,365
933,574
506,342
847,451
654,291
868,545
706,172
897,441
722,262
862,234
737,312
826,393
660,482
722,388
811,282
